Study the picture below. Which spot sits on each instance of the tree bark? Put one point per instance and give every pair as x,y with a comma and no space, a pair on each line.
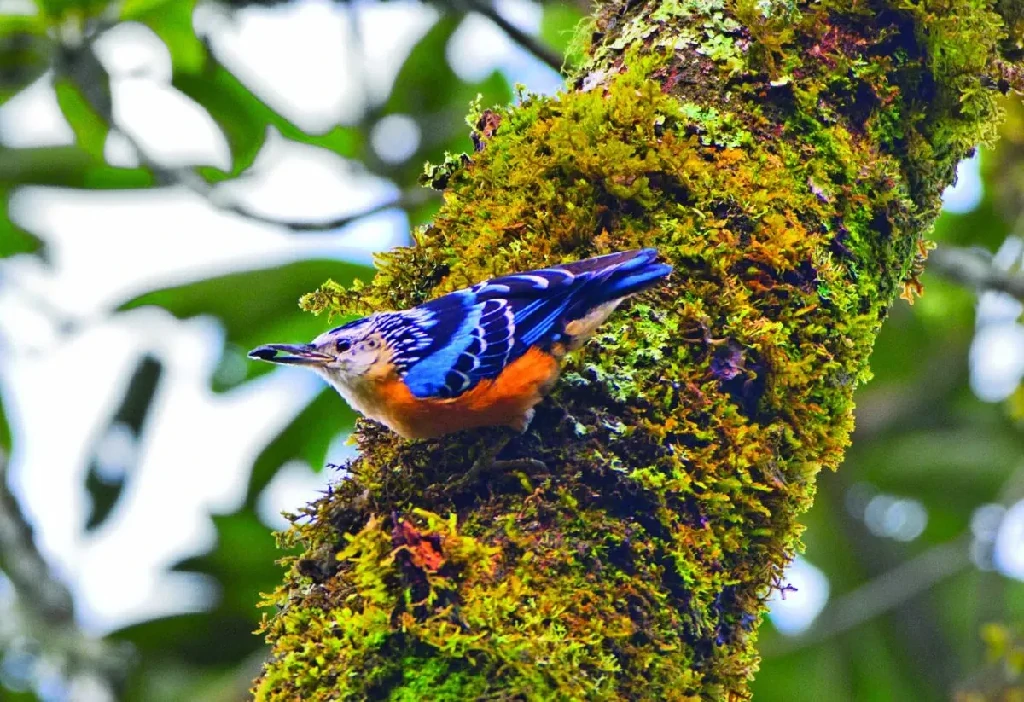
787,158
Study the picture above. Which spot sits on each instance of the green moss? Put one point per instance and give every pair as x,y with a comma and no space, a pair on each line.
787,160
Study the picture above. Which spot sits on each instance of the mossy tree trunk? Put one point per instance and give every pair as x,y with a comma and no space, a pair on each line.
787,159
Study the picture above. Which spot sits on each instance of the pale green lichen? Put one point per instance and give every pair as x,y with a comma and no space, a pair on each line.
787,159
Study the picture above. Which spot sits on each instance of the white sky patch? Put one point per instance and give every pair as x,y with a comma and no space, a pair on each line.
172,130
395,138
298,57
997,351
1008,550
301,182
165,238
390,30
479,47
968,190
33,118
133,50
794,612
294,486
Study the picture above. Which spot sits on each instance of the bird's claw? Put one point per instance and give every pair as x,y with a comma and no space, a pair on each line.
488,463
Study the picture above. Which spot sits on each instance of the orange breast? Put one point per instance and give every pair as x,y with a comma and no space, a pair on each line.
504,401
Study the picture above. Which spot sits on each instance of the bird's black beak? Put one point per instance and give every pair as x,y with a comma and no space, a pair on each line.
297,354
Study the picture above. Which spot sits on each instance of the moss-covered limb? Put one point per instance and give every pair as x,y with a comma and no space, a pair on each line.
787,159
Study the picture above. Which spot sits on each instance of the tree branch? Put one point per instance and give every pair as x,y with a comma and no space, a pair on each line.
899,584
685,443
44,607
542,52
80,65
975,268
882,594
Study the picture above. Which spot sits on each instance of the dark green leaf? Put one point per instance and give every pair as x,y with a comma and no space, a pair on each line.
249,302
447,131
5,430
982,226
558,25
257,306
74,10
245,551
89,127
244,118
195,638
13,239
25,52
239,114
66,166
172,22
307,439
243,564
105,489
426,83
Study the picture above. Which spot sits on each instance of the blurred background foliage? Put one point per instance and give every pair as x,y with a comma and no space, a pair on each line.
912,585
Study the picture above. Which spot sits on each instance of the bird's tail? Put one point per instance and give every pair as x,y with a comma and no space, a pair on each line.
617,275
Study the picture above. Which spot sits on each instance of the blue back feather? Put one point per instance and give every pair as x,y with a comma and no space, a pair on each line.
446,346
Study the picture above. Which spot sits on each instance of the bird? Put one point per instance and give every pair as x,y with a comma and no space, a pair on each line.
477,357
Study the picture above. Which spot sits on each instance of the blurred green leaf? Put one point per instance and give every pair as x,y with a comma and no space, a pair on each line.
447,130
89,127
71,10
306,438
428,90
25,52
22,24
13,239
558,25
104,489
966,463
5,429
249,301
9,695
244,118
426,83
172,22
256,306
196,638
983,226
136,9
243,563
239,114
66,166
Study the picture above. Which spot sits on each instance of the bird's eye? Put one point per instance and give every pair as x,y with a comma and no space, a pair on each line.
343,345
371,343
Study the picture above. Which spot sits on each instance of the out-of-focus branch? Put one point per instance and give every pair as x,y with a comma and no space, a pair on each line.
541,51
899,584
80,65
404,201
886,592
975,268
44,608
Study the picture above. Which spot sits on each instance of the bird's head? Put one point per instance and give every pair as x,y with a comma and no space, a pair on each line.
343,356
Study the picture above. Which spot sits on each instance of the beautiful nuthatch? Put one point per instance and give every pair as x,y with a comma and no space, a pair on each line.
481,356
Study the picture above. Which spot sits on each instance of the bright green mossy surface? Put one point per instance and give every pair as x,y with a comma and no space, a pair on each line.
787,159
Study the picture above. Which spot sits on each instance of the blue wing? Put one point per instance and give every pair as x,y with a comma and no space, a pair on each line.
448,345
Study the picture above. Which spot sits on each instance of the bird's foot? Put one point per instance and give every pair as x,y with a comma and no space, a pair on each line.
488,462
